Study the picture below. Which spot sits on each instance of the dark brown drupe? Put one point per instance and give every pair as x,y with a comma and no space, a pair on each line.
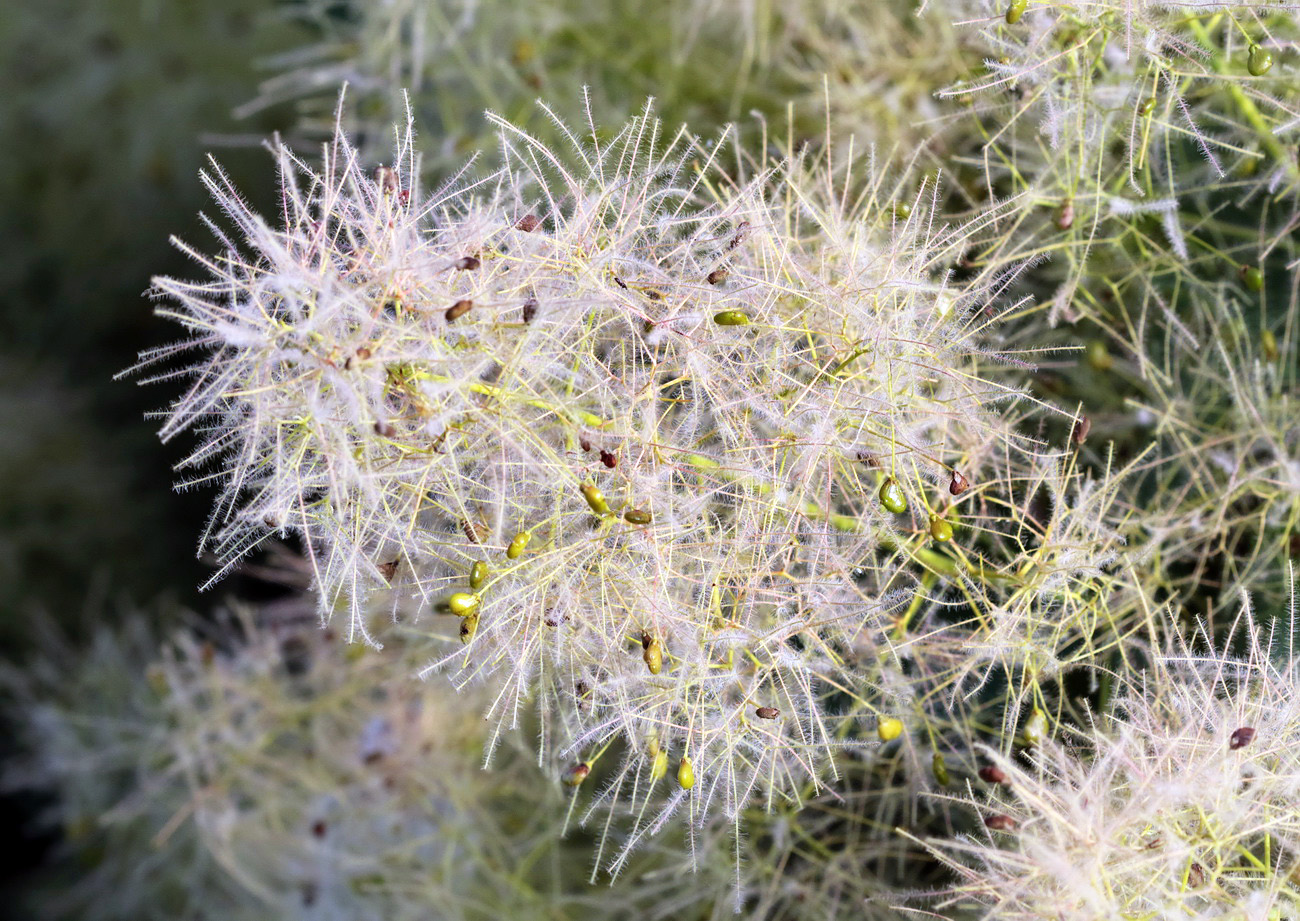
992,774
1241,737
1082,426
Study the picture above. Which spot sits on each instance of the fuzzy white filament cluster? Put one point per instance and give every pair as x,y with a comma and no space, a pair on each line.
1183,801
662,434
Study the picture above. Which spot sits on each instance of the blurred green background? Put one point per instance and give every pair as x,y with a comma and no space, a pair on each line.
107,111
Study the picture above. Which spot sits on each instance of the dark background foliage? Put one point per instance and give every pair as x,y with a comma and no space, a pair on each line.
107,111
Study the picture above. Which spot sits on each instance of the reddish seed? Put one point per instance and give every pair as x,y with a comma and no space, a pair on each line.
530,309
384,429
363,353
318,828
1241,737
868,458
528,223
992,774
458,309
767,713
609,459
468,263
388,570
717,276
1082,426
577,774
999,822
958,484
1065,217
584,442
618,281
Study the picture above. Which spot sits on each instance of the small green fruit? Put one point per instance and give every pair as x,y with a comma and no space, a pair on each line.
659,766
1252,278
596,499
685,773
889,728
652,651
1268,345
478,574
462,604
637,516
940,529
1098,356
1147,106
1259,61
468,626
1034,729
892,497
940,770
731,318
1015,10
517,545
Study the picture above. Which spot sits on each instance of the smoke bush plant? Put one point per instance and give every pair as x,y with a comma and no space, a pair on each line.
663,437
260,766
1183,799
715,472
1149,144
271,771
